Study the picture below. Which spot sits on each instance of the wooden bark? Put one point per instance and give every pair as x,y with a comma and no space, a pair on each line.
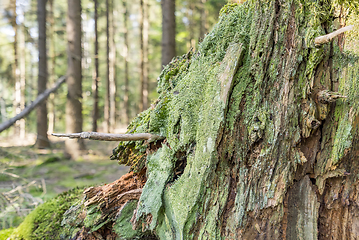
107,104
111,136
144,27
42,140
15,68
126,62
145,53
52,65
74,77
95,111
112,68
168,31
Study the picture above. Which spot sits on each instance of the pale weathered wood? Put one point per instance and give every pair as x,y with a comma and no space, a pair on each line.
33,105
110,136
327,38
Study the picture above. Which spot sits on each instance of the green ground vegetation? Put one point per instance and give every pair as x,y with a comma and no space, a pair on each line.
28,177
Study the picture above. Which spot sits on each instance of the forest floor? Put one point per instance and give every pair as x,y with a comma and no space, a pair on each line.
29,176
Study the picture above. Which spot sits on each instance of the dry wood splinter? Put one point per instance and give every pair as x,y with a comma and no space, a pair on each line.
328,37
111,136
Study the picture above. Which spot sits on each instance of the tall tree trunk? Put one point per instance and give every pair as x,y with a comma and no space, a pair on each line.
146,26
74,79
203,18
107,95
125,55
142,63
42,140
191,44
52,64
15,68
22,68
112,68
95,111
168,31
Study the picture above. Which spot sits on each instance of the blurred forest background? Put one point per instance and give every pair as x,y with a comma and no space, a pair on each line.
111,53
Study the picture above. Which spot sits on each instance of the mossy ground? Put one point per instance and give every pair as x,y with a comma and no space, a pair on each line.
43,174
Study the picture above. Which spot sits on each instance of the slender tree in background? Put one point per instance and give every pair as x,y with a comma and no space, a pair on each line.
51,68
42,140
16,69
95,111
112,67
203,18
191,25
142,63
146,26
22,68
74,79
168,31
107,95
125,55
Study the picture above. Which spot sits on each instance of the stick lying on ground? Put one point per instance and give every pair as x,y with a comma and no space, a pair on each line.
28,109
327,38
110,136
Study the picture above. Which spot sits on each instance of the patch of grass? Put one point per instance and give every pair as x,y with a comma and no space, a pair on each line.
51,173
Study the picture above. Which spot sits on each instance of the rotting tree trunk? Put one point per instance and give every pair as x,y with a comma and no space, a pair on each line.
261,135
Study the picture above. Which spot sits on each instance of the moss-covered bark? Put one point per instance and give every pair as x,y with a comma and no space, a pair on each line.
254,146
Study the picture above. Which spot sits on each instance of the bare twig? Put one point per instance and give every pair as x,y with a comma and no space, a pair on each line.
326,96
28,109
111,137
327,38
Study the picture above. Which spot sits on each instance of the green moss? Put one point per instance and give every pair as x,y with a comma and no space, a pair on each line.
123,226
228,8
45,221
5,233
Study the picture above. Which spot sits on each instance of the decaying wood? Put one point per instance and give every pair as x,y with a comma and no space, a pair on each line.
327,38
110,200
33,105
326,96
110,136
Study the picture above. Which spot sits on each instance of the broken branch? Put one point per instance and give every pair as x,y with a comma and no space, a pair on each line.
327,38
111,137
34,104
326,96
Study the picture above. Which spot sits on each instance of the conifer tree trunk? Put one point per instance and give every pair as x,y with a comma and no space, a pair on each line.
22,68
95,110
203,19
16,69
112,68
144,27
52,64
42,140
74,78
168,31
107,85
125,55
142,63
145,53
